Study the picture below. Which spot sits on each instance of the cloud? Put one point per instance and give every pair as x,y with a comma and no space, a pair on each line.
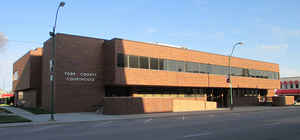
274,47
3,40
151,30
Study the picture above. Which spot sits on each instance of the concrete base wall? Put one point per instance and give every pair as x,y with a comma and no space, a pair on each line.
139,105
283,100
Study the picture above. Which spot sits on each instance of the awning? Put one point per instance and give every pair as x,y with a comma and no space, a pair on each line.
285,82
296,82
8,95
288,92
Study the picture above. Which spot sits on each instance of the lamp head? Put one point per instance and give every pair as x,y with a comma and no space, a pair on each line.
62,4
240,43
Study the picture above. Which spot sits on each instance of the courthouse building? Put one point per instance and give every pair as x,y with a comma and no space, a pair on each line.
89,69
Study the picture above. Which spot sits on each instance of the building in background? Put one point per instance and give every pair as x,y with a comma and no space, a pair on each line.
289,86
89,69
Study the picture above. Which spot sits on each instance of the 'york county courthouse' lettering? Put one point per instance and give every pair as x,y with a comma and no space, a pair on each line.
89,70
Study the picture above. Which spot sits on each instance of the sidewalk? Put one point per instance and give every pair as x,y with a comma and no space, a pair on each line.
66,118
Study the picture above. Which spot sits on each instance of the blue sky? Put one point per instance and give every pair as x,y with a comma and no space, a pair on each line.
270,29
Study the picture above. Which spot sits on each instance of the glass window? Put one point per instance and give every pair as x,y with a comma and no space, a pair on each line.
180,66
163,64
133,61
122,60
292,85
172,65
154,63
245,72
192,67
252,73
204,68
270,75
16,75
144,62
276,75
237,71
297,85
265,74
20,95
259,74
220,70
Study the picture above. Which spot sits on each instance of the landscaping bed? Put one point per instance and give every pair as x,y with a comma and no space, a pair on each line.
12,119
36,110
8,117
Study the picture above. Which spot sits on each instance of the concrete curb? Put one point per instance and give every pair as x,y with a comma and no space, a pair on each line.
156,115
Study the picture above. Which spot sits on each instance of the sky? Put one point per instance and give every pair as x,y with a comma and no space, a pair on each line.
270,29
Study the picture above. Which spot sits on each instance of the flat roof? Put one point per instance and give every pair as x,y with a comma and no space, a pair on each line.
165,45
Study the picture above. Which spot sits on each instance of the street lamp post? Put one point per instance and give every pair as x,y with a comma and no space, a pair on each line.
229,73
52,63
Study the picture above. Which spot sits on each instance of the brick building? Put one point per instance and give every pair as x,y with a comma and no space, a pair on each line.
289,86
89,69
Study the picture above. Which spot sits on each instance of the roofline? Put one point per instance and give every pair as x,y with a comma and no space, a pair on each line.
193,50
291,77
161,45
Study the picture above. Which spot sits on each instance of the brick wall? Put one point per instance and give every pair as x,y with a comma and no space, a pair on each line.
74,54
132,76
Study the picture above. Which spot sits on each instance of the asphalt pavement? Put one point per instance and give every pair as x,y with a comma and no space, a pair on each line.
276,124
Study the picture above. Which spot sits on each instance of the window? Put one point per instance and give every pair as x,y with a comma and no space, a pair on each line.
163,64
180,66
192,67
292,85
297,85
171,65
269,75
204,68
20,95
252,73
220,70
16,75
144,62
266,75
246,72
154,63
276,75
237,71
259,74
122,60
133,61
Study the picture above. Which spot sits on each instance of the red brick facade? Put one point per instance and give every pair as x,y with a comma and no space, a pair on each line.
86,66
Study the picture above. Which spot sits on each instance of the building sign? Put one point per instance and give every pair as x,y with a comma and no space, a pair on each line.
80,76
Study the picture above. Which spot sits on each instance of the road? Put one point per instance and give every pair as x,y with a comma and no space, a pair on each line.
261,125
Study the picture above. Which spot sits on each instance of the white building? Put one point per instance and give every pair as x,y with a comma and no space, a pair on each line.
289,86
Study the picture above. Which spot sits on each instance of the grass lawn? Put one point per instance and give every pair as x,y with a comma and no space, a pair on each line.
36,110
12,119
4,105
